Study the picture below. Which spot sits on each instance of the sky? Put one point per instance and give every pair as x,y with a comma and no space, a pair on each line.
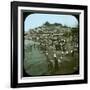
35,20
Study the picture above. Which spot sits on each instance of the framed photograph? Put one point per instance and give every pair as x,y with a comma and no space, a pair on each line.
48,44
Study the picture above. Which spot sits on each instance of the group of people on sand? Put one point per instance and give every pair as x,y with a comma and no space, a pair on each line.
54,51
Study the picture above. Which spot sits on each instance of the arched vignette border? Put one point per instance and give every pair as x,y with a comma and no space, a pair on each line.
26,13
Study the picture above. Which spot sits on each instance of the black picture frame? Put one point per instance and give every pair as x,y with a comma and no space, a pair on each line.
14,44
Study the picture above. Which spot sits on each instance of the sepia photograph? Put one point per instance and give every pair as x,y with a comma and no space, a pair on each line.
51,44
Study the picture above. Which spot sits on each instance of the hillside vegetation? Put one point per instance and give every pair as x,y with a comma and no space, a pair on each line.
51,49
